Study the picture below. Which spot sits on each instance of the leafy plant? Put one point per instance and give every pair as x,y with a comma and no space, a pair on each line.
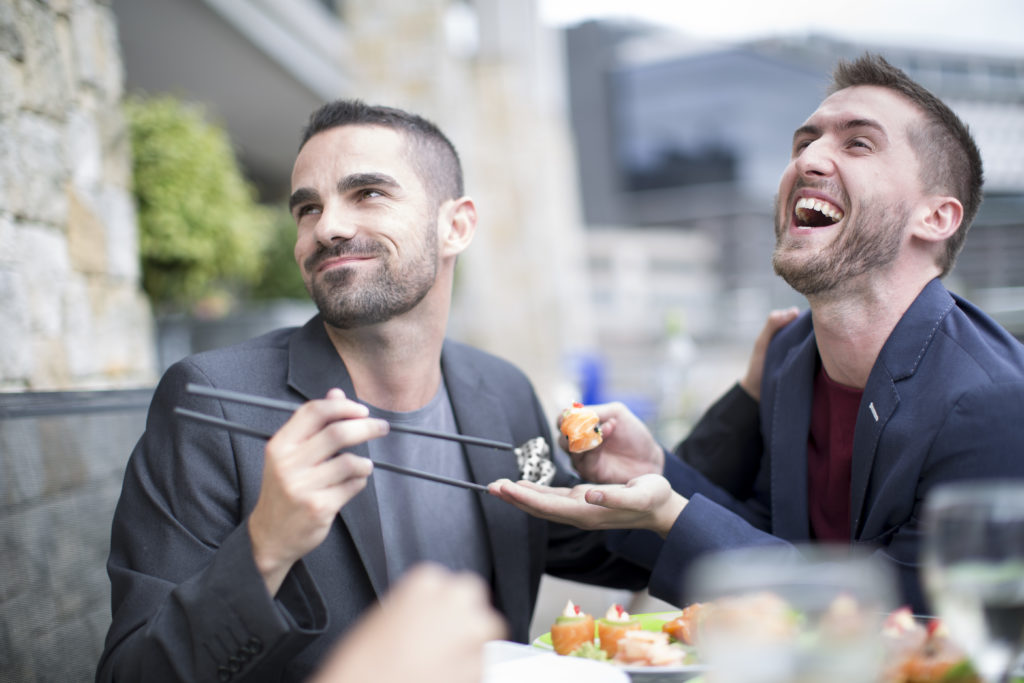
201,230
279,276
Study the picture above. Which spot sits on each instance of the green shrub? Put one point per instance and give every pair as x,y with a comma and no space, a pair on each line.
279,277
201,230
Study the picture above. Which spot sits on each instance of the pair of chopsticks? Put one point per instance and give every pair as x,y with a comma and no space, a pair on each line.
287,406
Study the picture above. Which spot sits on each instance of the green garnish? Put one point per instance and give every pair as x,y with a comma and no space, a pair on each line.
961,672
590,651
569,620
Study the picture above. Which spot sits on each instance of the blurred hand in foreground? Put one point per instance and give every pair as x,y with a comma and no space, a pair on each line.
431,628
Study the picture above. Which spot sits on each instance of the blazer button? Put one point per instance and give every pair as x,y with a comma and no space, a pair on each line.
255,645
224,674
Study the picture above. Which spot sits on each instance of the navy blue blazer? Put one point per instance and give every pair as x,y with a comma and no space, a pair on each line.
944,401
188,602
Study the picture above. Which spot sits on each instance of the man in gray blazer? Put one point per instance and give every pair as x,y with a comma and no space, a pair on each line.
234,559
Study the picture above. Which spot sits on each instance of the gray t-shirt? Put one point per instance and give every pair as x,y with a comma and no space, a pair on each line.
426,520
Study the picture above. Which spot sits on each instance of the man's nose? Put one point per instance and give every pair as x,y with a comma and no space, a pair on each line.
816,159
334,224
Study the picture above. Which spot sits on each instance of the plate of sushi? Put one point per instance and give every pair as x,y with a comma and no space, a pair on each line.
653,648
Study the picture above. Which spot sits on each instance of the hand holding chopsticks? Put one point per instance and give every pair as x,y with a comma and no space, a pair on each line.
248,399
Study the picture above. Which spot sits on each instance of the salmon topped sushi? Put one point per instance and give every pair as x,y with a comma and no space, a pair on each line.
572,628
582,427
613,627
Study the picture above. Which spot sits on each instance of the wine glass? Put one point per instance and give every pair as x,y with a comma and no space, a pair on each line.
973,566
780,614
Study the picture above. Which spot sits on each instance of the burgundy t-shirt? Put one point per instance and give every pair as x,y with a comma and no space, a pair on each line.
829,455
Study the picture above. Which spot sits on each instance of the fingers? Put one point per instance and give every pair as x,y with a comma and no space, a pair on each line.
633,497
775,321
779,318
312,416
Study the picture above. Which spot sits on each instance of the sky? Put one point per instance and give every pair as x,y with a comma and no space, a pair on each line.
988,26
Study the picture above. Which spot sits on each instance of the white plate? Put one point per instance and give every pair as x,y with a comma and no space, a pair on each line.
506,662
646,674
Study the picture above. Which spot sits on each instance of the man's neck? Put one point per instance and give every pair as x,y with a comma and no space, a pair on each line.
851,327
395,365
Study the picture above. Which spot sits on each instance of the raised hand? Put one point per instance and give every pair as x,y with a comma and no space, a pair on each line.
627,450
305,482
775,321
647,502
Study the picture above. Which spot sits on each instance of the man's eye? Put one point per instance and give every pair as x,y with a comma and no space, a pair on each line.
306,210
370,193
860,142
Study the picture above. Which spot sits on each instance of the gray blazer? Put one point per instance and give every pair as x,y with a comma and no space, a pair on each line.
188,603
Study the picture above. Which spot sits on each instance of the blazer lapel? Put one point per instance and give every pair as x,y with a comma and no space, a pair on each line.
480,412
897,361
878,403
790,415
314,367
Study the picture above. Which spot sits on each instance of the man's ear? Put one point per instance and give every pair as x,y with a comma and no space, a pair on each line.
940,218
457,225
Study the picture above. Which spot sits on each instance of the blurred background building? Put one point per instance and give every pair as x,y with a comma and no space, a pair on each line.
624,174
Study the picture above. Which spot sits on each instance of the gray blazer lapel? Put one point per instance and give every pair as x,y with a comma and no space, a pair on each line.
313,368
479,412
790,426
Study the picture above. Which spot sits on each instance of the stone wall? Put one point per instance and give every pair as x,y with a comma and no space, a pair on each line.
71,310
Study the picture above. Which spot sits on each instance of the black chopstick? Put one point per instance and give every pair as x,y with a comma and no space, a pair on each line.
249,399
253,431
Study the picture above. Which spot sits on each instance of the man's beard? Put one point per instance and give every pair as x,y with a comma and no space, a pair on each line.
347,301
869,243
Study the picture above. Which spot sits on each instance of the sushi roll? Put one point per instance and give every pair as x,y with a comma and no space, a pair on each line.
571,629
582,427
613,627
684,628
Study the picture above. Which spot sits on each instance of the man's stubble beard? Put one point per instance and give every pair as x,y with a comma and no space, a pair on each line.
347,301
869,243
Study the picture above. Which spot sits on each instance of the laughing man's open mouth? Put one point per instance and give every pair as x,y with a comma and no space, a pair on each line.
816,213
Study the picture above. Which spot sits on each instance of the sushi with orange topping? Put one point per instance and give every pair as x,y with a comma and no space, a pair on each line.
613,627
582,427
572,628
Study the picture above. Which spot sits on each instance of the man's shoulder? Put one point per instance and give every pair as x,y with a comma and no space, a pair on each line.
252,353
976,335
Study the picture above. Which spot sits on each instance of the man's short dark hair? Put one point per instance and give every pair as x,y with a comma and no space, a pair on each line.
431,153
949,158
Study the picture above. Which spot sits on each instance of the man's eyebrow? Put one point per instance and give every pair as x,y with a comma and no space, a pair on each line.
862,123
812,130
346,184
302,195
357,180
807,130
